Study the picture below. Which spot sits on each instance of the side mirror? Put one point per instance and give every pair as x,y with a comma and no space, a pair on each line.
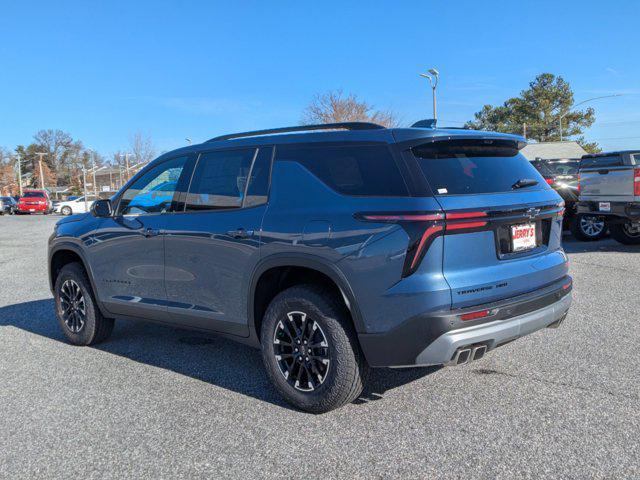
101,208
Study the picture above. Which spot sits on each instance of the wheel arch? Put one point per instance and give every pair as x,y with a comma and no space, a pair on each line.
309,262
63,254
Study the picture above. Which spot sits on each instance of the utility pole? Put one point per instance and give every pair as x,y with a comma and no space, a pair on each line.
40,155
126,162
20,175
93,165
524,130
84,186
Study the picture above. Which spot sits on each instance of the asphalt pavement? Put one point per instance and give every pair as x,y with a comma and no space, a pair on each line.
158,402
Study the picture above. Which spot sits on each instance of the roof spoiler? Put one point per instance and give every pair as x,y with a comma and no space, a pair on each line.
426,123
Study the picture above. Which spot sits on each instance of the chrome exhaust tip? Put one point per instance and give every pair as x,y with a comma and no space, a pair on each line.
462,356
478,352
558,322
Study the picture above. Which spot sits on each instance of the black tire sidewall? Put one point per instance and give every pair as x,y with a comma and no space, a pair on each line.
343,352
619,234
86,336
65,209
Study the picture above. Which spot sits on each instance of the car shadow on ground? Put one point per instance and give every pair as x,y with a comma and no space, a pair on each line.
207,358
571,245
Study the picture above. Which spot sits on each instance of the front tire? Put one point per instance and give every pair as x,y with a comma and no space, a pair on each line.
66,210
588,228
626,233
310,350
76,309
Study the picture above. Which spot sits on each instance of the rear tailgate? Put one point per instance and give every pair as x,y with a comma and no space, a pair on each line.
606,178
500,241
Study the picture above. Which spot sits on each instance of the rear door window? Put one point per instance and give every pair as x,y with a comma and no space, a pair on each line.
472,167
358,170
601,162
230,179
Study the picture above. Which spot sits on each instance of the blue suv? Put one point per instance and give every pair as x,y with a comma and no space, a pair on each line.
334,248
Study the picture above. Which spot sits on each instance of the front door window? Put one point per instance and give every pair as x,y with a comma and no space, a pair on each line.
154,191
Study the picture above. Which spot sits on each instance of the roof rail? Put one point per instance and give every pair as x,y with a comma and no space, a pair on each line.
302,128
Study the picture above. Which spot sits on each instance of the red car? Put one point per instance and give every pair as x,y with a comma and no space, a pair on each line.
35,201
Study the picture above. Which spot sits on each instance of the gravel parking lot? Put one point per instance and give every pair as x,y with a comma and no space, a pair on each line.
159,402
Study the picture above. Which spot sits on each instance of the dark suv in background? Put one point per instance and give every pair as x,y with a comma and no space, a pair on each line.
334,251
563,176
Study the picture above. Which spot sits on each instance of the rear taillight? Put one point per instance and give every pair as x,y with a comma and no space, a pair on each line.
549,181
465,220
636,182
423,228
578,185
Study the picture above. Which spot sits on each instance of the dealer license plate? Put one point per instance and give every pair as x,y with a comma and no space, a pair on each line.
604,206
523,237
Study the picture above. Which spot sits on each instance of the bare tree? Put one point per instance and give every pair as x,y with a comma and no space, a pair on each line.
54,143
142,148
334,106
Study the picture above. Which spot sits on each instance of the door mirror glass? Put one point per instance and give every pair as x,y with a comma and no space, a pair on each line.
101,208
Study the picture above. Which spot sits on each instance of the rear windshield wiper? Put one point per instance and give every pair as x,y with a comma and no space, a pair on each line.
524,182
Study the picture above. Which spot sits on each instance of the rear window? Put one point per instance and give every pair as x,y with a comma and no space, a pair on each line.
33,195
552,169
471,167
604,161
359,170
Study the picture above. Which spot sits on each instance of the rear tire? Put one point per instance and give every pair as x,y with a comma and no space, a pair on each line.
76,309
626,233
317,378
588,228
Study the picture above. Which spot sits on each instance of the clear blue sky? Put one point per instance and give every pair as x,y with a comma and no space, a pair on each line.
198,69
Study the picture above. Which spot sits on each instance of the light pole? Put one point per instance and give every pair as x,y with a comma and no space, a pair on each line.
40,155
433,75
582,103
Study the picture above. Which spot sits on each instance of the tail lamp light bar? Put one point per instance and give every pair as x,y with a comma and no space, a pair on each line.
434,224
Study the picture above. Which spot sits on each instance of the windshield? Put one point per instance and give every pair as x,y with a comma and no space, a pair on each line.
473,167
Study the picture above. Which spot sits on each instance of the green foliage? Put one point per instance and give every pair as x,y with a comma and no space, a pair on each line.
537,111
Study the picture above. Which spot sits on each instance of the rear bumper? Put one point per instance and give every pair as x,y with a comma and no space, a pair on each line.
620,211
433,339
33,208
493,334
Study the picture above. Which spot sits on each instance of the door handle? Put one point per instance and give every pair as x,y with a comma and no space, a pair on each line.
151,232
603,172
240,233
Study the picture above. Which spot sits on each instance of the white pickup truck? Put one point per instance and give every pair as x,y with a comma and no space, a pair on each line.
610,187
